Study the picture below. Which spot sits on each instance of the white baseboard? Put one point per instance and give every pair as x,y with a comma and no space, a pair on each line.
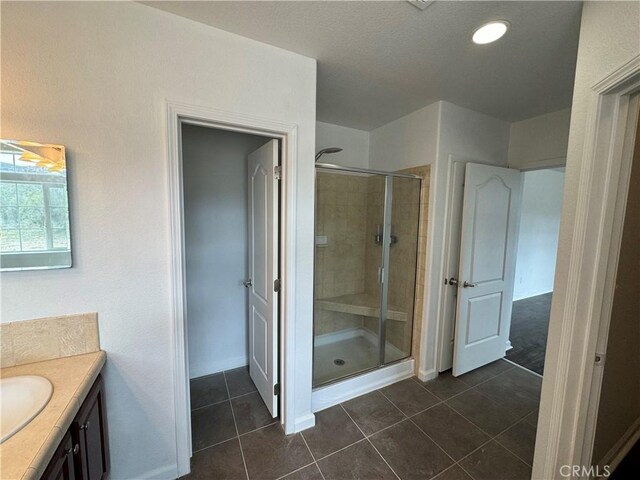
217,367
426,375
304,422
168,472
620,449
339,392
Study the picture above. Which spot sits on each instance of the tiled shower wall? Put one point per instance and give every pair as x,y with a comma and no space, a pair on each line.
341,206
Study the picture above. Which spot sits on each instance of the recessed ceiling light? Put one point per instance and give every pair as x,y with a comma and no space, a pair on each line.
490,32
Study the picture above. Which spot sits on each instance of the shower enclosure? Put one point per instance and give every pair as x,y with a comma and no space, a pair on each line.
366,246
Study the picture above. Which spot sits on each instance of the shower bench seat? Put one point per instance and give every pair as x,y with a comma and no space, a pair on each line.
360,304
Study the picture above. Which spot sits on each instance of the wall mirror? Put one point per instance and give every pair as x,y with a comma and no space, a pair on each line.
34,207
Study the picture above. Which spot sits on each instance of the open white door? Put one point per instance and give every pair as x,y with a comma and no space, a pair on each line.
490,218
263,272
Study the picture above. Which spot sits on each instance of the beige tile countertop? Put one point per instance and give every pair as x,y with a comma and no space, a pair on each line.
27,453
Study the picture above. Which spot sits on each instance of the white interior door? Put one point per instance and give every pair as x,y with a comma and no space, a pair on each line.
263,272
490,217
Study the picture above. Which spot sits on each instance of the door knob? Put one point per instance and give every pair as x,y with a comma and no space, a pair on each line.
453,281
247,283
467,284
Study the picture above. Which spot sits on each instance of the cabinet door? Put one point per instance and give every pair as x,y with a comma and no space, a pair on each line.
90,432
61,466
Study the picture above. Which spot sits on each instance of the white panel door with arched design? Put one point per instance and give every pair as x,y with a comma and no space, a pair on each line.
489,237
263,272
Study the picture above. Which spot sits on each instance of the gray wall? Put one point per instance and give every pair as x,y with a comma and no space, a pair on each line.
539,228
215,212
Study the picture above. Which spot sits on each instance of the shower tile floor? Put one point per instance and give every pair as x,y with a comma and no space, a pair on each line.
481,425
358,353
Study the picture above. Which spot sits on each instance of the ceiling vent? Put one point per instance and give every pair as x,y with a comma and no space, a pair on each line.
421,4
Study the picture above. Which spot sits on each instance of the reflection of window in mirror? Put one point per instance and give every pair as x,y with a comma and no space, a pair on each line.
34,210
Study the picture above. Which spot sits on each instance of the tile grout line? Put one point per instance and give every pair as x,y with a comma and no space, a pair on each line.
244,462
482,429
524,368
222,401
470,387
259,428
371,443
463,469
312,456
339,450
391,402
438,402
296,470
522,420
434,442
435,477
237,436
492,438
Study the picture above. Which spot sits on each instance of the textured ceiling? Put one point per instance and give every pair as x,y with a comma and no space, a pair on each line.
378,61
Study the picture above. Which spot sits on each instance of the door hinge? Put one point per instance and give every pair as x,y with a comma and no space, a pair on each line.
276,389
276,285
277,172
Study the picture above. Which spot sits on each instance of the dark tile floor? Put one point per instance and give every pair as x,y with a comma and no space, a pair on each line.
223,406
480,425
529,326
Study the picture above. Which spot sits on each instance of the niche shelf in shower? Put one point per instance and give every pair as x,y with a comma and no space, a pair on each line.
360,304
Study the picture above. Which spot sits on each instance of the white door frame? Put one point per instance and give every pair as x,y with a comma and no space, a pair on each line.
178,113
571,381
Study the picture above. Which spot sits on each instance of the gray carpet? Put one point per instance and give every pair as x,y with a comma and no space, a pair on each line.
529,325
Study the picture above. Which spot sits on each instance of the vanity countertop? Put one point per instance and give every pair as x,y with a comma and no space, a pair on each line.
27,453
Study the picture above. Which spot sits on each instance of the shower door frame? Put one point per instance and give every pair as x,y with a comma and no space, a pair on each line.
383,277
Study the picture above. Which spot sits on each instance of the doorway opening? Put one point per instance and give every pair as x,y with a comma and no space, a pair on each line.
540,212
231,210
502,229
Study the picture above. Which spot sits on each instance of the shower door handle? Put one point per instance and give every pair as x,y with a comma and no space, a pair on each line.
247,283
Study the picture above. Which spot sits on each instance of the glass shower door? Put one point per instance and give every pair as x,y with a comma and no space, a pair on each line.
403,255
366,245
348,261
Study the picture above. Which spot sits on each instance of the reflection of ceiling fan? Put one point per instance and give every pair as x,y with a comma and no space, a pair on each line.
50,157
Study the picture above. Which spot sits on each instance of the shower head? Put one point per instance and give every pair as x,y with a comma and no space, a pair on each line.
327,150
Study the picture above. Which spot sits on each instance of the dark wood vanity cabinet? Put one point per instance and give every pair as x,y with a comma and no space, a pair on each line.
86,444
89,431
62,465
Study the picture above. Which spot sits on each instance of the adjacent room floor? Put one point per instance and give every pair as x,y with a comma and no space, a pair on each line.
481,425
529,327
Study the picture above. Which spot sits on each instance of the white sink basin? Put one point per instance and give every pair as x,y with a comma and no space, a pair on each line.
21,399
